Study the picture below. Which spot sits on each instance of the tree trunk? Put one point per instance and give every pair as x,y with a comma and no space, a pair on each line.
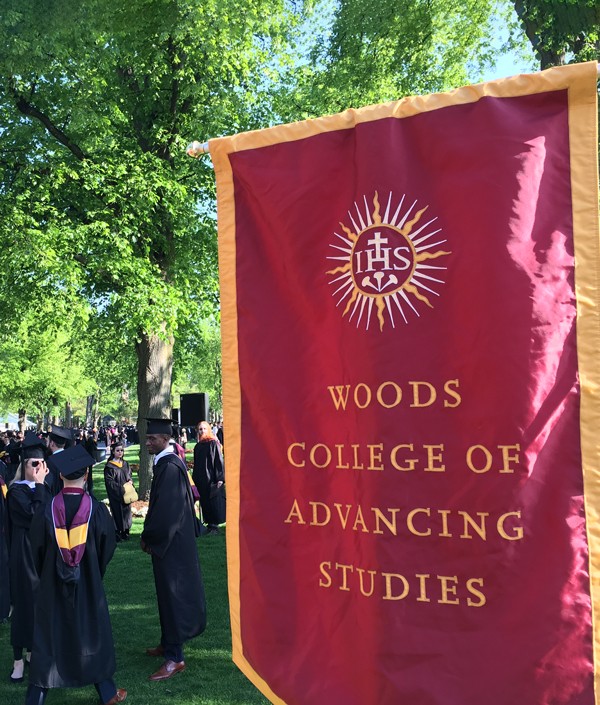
97,418
22,420
547,56
155,367
40,423
68,415
89,408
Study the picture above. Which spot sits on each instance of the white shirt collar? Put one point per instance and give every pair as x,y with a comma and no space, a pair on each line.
162,453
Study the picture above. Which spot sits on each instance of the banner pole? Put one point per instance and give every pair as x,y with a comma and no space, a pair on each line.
195,149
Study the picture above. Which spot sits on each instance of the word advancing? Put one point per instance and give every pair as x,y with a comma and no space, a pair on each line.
420,521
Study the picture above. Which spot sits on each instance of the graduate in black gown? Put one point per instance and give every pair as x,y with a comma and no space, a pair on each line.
4,571
116,473
59,439
26,493
209,477
72,542
169,536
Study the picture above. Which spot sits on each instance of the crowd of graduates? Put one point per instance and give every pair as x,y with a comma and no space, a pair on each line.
56,540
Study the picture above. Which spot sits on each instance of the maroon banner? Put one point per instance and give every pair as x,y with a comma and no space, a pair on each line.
406,443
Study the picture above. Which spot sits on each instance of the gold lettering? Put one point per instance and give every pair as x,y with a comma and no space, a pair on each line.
411,462
372,573
345,569
518,530
343,519
488,459
409,521
368,396
416,397
375,456
360,520
315,519
388,586
396,388
289,455
448,589
379,517
423,591
445,533
452,393
313,453
468,519
432,457
325,574
356,465
508,458
474,591
339,462
295,512
341,399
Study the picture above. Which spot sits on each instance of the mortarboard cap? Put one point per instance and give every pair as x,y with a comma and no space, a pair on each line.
32,447
72,462
61,435
160,426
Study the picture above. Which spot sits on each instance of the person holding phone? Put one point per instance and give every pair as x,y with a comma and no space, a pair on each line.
27,492
72,543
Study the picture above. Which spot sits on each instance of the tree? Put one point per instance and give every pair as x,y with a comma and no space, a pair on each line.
198,368
561,29
41,368
97,101
371,52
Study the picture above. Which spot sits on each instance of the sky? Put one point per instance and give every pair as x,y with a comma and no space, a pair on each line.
508,65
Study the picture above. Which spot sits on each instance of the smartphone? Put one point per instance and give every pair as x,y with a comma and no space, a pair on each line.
35,463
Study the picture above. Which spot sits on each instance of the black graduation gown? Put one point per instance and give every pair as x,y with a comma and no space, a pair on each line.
4,570
114,479
208,471
22,502
72,640
53,477
170,532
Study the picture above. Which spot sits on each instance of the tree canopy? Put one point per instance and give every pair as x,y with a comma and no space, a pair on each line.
108,229
561,30
100,204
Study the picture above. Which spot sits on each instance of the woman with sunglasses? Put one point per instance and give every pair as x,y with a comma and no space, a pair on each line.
116,473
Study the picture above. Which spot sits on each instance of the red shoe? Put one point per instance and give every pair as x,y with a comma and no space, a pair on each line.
167,670
120,695
156,651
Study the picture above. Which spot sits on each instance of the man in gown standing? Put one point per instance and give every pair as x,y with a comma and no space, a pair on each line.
59,438
72,542
169,536
4,580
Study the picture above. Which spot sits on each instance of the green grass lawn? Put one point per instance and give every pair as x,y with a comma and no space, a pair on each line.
210,677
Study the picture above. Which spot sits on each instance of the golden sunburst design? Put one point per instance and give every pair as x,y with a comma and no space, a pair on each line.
385,262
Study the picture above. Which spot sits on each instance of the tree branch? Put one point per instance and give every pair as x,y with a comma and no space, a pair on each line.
27,108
